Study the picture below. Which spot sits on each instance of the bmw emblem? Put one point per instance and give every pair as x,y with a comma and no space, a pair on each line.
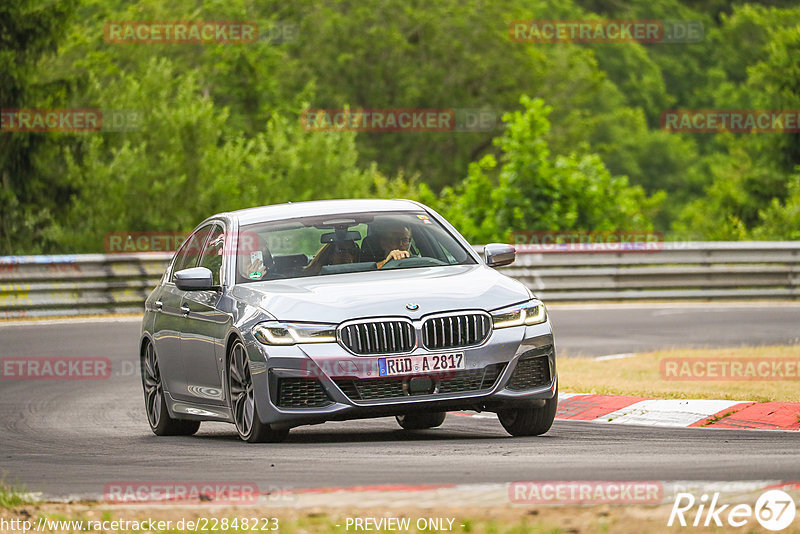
411,306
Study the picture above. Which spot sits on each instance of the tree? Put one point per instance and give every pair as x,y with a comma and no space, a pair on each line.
533,190
182,164
751,175
29,198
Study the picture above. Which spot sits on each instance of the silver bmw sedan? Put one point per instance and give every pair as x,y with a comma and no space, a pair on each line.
301,313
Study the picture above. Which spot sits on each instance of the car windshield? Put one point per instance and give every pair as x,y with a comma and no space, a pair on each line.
336,244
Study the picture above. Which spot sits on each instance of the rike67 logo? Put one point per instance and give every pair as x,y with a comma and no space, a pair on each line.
774,510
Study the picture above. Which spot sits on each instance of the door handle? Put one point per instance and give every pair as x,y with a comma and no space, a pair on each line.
185,309
159,305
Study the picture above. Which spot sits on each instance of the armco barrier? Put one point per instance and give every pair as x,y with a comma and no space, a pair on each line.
119,283
78,284
679,270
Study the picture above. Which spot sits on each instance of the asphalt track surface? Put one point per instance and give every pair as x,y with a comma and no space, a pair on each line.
71,438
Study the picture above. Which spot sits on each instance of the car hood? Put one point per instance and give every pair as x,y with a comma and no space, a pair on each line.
336,298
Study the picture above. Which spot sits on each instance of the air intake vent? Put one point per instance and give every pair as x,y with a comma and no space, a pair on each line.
468,381
301,393
456,331
530,373
379,337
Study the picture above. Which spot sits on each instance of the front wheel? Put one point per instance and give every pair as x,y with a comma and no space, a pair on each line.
421,421
154,402
529,420
242,401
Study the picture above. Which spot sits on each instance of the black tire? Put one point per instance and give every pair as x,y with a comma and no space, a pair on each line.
154,402
242,401
421,421
529,420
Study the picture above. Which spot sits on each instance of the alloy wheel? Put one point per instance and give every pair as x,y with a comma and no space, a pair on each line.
241,389
153,389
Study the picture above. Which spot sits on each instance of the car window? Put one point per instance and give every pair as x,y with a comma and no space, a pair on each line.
337,244
189,252
305,240
213,253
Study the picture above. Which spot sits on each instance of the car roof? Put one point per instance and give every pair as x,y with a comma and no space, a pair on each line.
313,208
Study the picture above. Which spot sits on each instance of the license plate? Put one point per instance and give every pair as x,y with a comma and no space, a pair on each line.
426,363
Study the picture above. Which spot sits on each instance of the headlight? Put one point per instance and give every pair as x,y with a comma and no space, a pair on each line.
276,333
528,313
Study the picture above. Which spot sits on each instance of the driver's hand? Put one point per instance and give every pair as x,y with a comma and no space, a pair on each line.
394,255
398,255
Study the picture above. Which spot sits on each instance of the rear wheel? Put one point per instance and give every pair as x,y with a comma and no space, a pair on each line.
420,421
529,420
154,402
242,399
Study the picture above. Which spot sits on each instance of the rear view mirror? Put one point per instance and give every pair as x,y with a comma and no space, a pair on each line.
331,237
499,254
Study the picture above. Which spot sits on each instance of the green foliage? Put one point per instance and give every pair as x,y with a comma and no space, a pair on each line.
29,32
781,220
220,125
180,165
534,190
751,182
12,496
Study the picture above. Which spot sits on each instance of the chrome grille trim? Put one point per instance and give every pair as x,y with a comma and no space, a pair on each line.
386,335
456,330
401,335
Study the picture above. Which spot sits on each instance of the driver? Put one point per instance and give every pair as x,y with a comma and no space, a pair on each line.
394,242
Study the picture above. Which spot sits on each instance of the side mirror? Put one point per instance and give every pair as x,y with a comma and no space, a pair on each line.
499,254
194,279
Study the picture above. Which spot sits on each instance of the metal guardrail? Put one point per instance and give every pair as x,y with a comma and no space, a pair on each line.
676,270
119,283
78,284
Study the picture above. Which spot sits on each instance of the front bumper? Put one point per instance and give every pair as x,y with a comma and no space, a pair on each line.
327,383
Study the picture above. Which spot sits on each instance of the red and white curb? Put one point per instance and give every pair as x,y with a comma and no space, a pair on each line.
614,409
624,410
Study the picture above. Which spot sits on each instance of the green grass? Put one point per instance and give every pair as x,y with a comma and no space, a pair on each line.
716,418
12,496
640,376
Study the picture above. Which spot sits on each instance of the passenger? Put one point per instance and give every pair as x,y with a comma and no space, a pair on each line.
336,253
255,265
344,252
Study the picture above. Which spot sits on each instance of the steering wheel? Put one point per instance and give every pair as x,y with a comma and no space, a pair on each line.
393,263
412,261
